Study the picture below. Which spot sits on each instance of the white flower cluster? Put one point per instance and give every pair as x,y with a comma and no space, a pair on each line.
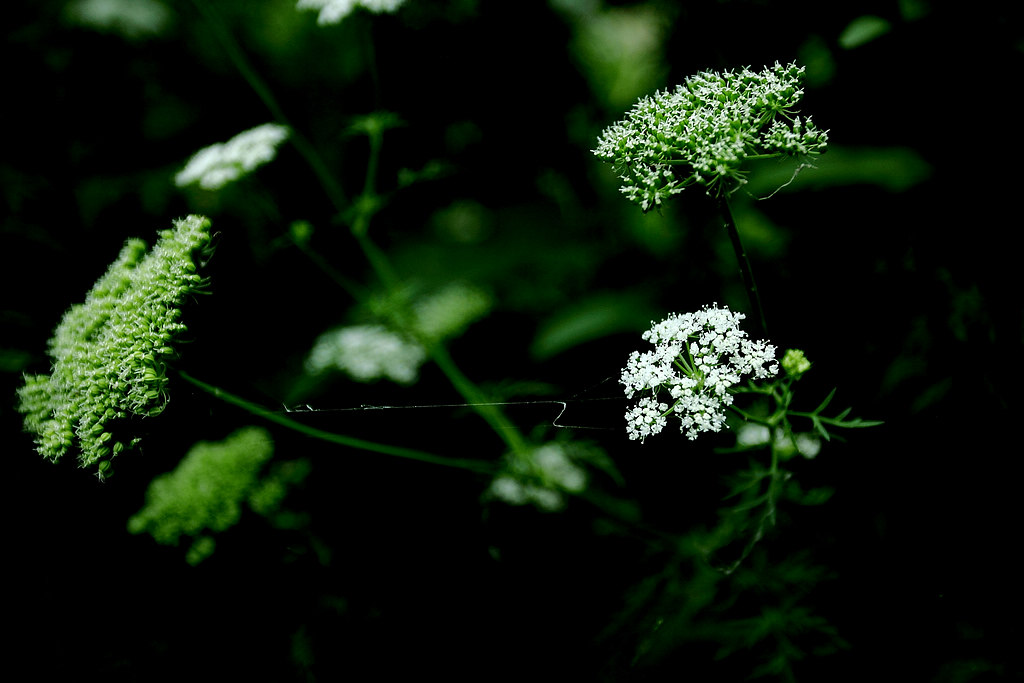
703,131
333,11
215,166
366,353
541,478
697,358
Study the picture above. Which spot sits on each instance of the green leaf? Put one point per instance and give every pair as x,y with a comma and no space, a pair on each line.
894,169
592,318
863,30
824,404
820,428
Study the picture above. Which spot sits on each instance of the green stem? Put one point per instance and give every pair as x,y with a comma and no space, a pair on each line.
305,148
365,208
480,403
744,263
438,353
354,290
331,437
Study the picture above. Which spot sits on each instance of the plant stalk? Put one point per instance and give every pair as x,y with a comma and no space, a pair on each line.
746,272
340,439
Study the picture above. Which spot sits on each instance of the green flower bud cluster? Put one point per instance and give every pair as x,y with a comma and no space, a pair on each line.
109,353
206,491
702,132
795,363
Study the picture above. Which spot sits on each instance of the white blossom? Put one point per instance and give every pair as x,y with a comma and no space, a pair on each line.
366,353
697,358
704,130
215,166
333,11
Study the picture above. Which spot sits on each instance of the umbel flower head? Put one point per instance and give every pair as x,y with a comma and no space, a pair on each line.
215,166
366,353
702,132
109,353
697,358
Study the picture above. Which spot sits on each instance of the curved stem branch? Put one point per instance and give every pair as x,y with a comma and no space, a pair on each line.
382,267
340,439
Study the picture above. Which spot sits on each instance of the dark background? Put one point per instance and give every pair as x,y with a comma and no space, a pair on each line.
891,266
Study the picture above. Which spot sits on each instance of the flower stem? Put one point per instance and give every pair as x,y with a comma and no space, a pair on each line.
340,439
744,263
382,267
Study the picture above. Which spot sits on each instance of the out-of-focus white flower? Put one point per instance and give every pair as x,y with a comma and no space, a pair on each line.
366,353
215,166
750,434
133,19
697,358
808,445
447,312
542,477
333,11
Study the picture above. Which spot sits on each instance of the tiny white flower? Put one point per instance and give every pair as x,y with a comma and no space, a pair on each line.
508,489
808,445
215,166
697,358
546,499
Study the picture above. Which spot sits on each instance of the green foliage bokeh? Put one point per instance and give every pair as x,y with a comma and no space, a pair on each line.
887,264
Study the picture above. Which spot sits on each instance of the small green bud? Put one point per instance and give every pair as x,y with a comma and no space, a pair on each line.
302,232
795,363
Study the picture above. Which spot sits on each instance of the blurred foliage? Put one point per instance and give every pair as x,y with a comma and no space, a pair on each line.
205,493
887,263
863,30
